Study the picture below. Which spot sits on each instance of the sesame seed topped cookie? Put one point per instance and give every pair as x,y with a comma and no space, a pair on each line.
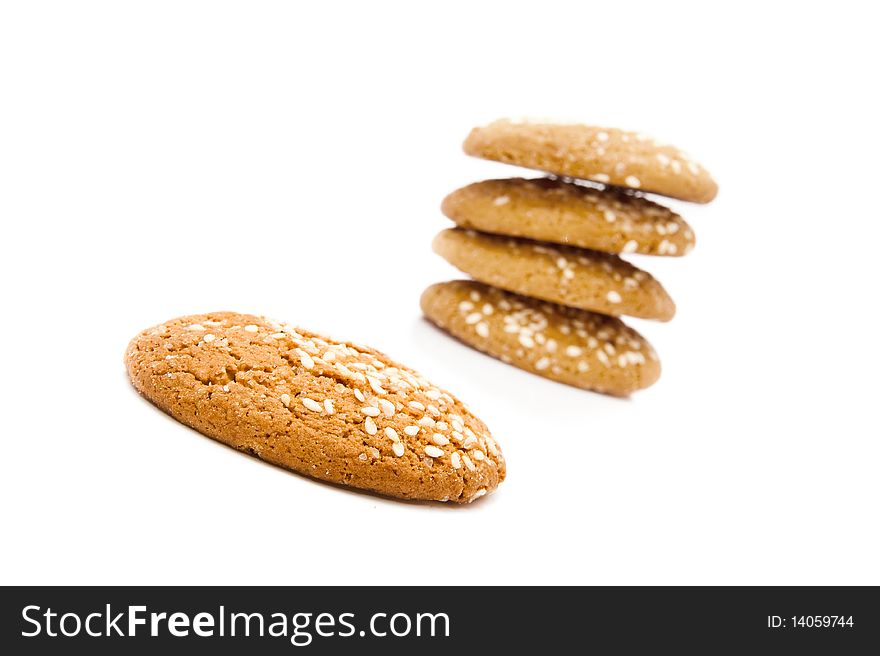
327,409
547,209
606,155
576,277
571,346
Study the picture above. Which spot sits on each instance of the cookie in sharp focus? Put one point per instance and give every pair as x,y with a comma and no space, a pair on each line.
571,346
331,410
576,277
547,209
606,155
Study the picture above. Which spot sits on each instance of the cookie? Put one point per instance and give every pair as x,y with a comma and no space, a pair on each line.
606,155
331,410
576,347
546,209
576,277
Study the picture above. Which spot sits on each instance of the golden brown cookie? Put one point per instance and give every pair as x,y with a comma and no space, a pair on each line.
571,346
546,209
607,155
338,412
576,277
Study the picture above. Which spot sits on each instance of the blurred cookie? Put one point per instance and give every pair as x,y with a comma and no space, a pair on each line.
606,155
576,347
576,277
341,413
545,209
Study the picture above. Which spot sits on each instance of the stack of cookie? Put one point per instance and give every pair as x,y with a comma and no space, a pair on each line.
549,284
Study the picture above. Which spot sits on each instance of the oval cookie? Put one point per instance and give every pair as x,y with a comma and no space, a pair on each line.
607,155
576,277
545,209
576,347
341,413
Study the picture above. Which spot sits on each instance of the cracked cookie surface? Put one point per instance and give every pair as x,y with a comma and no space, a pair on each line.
331,410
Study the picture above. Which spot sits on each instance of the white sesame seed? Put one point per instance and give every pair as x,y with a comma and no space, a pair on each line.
465,306
208,338
412,431
251,328
458,437
433,451
433,394
278,335
602,136
501,200
285,399
306,360
482,329
470,441
426,421
439,439
374,383
370,426
433,410
601,177
475,296
478,455
362,456
312,405
622,360
583,367
469,464
442,425
633,181
473,318
391,434
329,356
602,358
374,452
613,297
476,495
328,406
568,274
610,216
359,395
573,351
609,348
526,340
416,405
456,460
398,448
387,407
542,364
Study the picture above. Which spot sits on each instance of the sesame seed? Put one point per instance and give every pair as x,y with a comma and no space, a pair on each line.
469,464
526,340
426,421
433,394
440,439
391,434
602,136
633,181
387,407
329,356
374,452
601,177
412,431
473,318
442,425
613,297
433,410
478,455
488,309
475,296
465,306
374,383
398,448
501,200
610,216
482,329
583,367
609,348
359,395
456,460
208,338
542,364
416,405
362,456
602,358
251,328
479,493
433,451
312,405
370,426
278,335
458,437
306,360
285,398
573,351
568,274
631,246
328,406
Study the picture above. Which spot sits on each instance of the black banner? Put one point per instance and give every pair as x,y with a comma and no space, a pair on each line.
333,620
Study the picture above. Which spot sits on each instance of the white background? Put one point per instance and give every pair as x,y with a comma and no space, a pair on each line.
288,159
